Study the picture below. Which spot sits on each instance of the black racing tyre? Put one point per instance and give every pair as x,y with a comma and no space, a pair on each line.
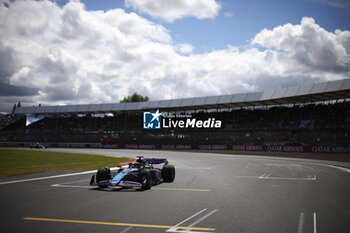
103,174
145,179
168,173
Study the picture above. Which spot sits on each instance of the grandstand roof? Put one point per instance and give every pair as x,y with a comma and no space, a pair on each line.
315,92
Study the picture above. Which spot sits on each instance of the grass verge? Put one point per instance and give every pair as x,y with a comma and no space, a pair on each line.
18,162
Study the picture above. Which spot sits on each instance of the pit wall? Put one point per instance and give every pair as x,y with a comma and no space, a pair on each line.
229,147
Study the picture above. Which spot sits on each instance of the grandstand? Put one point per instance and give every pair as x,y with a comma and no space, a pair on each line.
313,117
316,92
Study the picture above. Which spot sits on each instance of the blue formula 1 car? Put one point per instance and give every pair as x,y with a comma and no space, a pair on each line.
142,174
37,146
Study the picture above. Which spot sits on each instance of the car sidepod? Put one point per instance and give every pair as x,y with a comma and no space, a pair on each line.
123,178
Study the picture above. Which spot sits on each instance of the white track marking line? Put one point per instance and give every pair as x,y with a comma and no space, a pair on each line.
186,231
190,217
76,181
267,176
52,177
246,166
126,229
340,168
202,218
72,186
301,223
264,175
66,185
315,230
174,229
288,178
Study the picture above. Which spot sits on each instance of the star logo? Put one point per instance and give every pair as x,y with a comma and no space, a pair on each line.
152,120
156,115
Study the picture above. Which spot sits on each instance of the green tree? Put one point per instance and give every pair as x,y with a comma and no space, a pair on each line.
134,98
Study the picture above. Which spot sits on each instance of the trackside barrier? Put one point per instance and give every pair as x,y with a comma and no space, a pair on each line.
49,144
234,147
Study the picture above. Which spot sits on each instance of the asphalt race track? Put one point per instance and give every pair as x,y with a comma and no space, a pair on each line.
211,193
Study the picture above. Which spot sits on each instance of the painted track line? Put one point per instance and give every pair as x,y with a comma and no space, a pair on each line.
301,223
175,229
118,224
315,229
76,181
267,176
67,185
202,218
126,229
189,218
288,178
52,177
72,186
264,175
339,168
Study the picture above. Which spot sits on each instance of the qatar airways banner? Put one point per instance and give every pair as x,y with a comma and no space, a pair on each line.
234,147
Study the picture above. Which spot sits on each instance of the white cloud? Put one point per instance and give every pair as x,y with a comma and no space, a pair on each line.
309,45
73,55
185,48
68,55
170,10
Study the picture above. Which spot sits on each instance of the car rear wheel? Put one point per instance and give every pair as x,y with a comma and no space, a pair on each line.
103,174
168,173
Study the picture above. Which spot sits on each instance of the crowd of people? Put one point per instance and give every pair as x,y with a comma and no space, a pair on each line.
323,123
6,121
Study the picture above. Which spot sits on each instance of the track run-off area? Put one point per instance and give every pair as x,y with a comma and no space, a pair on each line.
211,193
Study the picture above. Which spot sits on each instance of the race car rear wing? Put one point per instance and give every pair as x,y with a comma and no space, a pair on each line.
153,160
156,161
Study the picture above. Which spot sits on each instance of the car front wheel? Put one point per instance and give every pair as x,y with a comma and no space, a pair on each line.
145,179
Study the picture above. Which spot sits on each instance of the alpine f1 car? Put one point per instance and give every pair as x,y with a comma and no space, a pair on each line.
37,146
142,174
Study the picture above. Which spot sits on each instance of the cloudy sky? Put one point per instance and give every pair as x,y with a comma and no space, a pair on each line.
78,52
